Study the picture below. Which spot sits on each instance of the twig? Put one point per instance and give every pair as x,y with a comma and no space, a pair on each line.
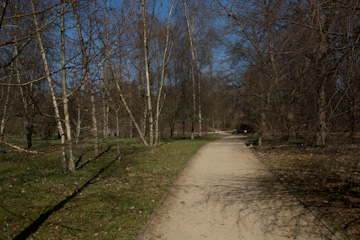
18,148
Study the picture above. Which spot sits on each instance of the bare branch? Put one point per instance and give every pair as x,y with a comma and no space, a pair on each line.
18,148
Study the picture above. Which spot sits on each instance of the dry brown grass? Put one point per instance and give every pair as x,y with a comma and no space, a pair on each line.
326,179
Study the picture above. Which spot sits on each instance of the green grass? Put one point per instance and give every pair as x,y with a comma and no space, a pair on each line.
105,198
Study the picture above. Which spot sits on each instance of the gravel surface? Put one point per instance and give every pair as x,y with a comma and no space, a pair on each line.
225,193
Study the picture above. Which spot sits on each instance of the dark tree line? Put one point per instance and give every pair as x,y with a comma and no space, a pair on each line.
298,63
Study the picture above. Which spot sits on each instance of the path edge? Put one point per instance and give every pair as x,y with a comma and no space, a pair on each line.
143,230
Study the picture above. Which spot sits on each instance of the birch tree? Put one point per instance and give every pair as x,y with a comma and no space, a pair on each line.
4,117
147,75
71,163
86,65
165,60
52,91
106,36
190,34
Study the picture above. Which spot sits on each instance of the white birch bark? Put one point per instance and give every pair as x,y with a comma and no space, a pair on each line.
147,77
71,162
52,91
165,59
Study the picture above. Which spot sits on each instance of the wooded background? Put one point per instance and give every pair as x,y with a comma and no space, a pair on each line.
153,69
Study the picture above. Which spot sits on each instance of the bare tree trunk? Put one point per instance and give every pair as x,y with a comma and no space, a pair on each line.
117,132
130,103
147,76
106,128
274,70
105,115
195,61
322,128
71,162
213,124
321,72
85,59
123,100
4,114
7,97
194,103
192,69
199,107
52,92
143,121
94,120
165,60
78,125
130,121
131,115
28,119
183,127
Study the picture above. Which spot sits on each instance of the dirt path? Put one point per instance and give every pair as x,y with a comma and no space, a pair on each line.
227,193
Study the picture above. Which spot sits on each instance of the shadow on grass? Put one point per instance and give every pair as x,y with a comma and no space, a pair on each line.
32,228
79,160
326,179
88,161
331,197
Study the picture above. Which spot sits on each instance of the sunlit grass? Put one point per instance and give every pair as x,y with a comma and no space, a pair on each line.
105,198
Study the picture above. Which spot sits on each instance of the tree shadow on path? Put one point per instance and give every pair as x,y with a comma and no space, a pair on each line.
260,202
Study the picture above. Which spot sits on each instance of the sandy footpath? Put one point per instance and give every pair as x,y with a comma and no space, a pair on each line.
227,193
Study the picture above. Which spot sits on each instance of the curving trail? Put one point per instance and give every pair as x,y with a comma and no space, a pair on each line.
227,193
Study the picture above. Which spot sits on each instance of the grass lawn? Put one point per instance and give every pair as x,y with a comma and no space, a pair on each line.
105,198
